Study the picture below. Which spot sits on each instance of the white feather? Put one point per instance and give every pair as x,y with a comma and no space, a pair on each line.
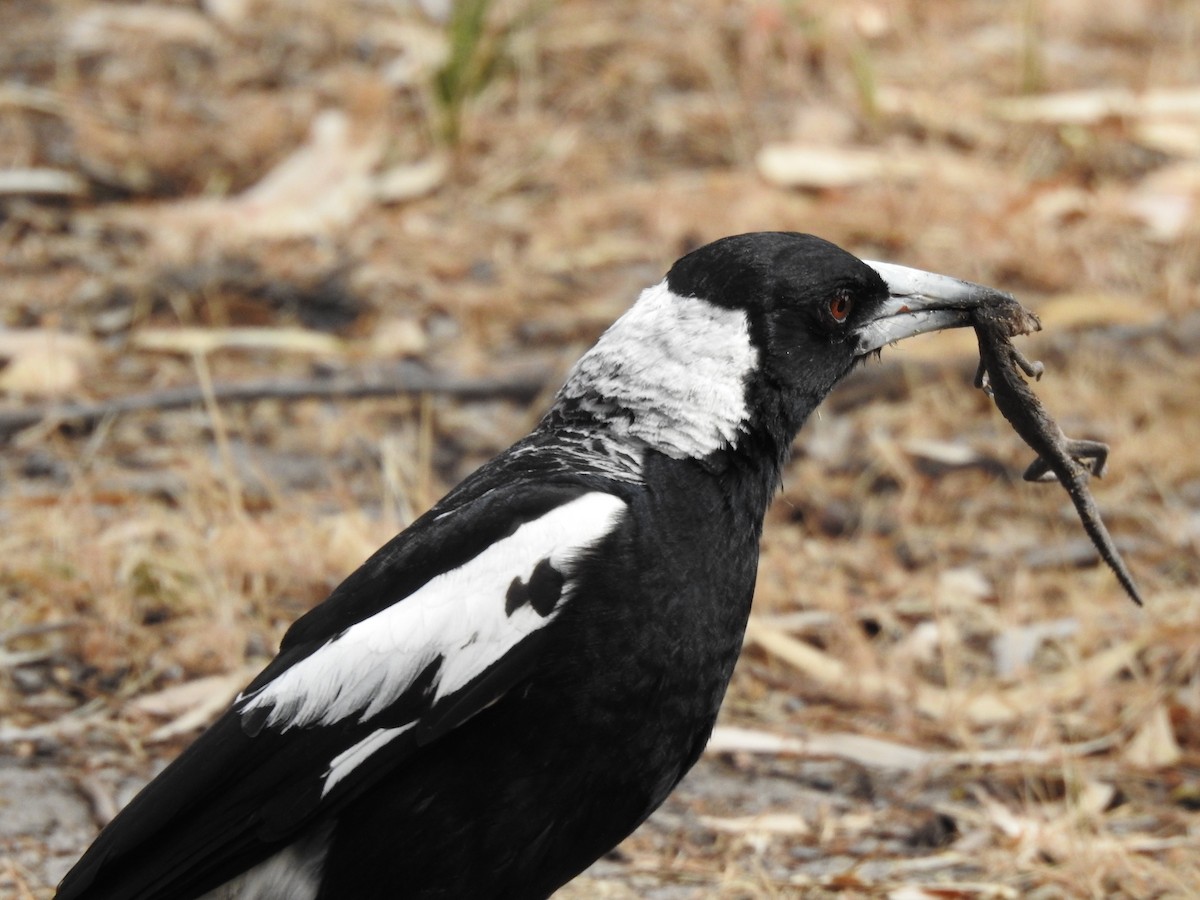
294,873
349,760
600,453
676,367
458,617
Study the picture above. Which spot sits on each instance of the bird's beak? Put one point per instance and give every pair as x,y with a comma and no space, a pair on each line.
919,302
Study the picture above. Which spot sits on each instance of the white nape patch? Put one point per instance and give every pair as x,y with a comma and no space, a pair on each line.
294,873
457,618
676,368
349,760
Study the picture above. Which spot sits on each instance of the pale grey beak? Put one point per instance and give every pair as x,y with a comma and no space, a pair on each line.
921,301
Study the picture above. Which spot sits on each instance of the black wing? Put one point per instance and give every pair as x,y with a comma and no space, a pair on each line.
435,626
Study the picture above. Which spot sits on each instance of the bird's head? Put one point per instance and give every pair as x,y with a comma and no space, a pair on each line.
745,336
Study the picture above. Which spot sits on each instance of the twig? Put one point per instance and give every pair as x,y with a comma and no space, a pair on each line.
41,182
389,382
38,628
48,733
879,753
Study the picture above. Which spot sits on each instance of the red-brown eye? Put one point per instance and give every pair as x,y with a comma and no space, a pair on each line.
840,306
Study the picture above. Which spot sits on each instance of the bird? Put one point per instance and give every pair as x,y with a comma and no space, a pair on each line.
511,685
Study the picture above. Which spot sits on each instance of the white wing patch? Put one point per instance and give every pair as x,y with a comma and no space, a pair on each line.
676,368
457,620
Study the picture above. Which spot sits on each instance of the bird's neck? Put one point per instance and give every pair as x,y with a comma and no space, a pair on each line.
670,375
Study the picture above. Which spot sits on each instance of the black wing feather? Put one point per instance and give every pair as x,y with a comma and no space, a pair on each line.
242,791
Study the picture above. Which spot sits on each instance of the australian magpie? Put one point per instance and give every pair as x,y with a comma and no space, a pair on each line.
511,685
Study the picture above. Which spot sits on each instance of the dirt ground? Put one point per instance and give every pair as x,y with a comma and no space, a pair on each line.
365,238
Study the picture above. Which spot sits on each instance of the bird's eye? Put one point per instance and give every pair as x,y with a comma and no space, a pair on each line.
840,306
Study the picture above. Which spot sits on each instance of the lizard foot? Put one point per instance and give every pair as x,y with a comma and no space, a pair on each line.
981,379
1093,454
1034,369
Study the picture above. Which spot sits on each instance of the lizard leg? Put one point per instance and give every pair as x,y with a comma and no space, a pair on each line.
1092,453
1033,369
981,379
1039,470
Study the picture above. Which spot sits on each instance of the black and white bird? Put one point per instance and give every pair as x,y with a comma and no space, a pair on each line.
511,685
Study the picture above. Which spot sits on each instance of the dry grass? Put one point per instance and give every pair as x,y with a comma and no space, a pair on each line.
274,164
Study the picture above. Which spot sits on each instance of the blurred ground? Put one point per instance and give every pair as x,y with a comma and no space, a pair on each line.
942,694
